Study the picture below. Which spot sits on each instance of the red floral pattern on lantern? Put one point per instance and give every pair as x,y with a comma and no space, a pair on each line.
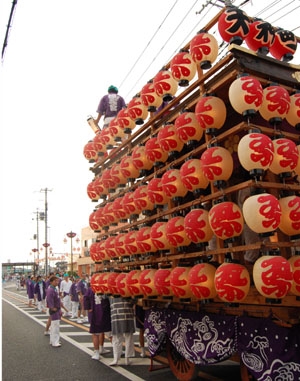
112,284
159,236
204,47
120,244
118,209
115,130
137,110
124,120
109,213
154,152
197,227
146,281
172,184
141,199
149,97
110,247
286,156
262,212
192,175
290,218
140,159
217,163
93,222
293,115
175,231
107,179
95,283
91,192
226,220
165,84
128,169
102,282
210,112
156,193
179,282
201,280
272,276
232,282
100,148
169,140
162,281
131,246
116,175
95,252
100,189
255,150
133,283
187,127
90,152
122,285
129,205
276,103
144,241
183,68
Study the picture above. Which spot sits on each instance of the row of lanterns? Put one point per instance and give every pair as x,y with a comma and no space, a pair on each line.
273,275
263,213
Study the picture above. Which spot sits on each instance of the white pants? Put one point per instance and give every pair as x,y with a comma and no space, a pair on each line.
67,303
74,309
41,305
117,343
54,332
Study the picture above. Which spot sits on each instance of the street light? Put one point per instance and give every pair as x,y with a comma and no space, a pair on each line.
71,235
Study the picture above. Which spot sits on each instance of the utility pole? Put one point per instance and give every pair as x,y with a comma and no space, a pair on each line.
46,244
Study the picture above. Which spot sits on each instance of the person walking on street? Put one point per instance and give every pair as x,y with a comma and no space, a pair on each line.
98,308
30,290
64,289
109,106
82,287
123,328
54,305
40,293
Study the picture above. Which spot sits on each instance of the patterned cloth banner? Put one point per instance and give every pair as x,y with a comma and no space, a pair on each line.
270,352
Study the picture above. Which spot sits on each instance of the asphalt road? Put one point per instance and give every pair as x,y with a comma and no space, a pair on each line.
27,355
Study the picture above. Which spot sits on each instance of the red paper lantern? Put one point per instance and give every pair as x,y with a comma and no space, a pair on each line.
100,218
93,223
91,192
217,164
262,213
154,152
197,227
99,187
124,121
290,217
294,262
168,140
110,247
146,281
137,111
129,206
272,276
95,283
158,236
165,85
284,45
142,200
246,95
119,211
261,36
183,68
109,214
150,98
172,184
100,148
233,25
108,181
176,234
276,104
144,241
204,49
115,130
120,244
179,282
90,152
232,282
117,176
95,253
155,192
112,283
128,169
226,220
255,152
192,175
162,282
140,159
130,242
201,280
286,156
293,115
133,283
187,128
106,138
122,287
102,251
101,282
297,168
210,112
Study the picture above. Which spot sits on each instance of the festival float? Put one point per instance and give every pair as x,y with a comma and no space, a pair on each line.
204,219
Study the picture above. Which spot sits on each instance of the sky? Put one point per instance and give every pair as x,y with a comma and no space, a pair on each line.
60,59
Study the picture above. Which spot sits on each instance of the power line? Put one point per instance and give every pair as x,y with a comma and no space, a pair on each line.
9,25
